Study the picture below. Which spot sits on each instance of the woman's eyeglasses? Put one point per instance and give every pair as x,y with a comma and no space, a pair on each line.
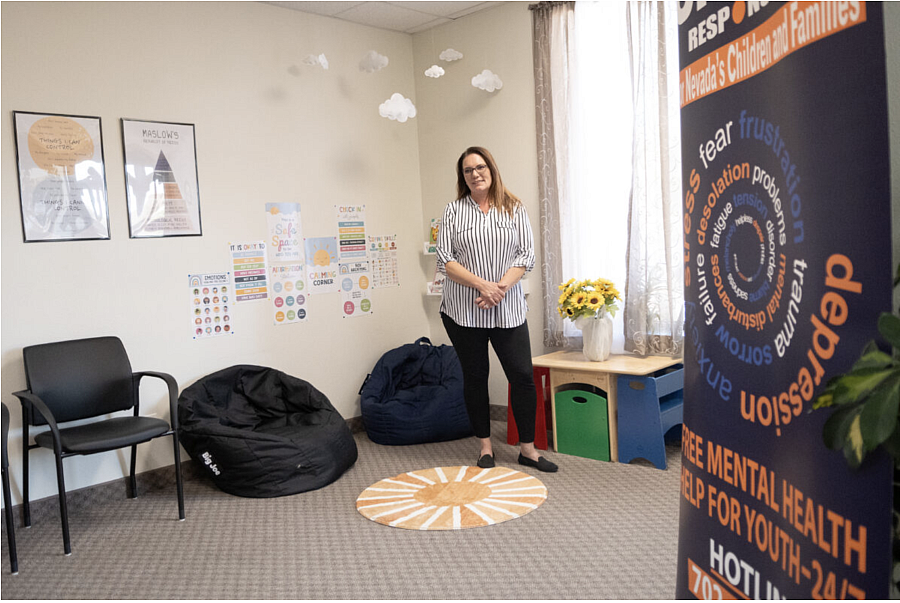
478,168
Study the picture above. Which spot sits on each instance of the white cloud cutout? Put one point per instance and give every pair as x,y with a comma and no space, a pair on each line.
372,62
451,55
397,108
487,80
434,71
316,60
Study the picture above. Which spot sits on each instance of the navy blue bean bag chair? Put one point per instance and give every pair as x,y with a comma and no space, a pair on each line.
262,433
414,395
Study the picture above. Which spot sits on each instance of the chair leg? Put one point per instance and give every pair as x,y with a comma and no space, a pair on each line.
10,527
132,480
26,504
63,508
178,483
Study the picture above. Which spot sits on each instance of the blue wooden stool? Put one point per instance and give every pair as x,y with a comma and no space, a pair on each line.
647,408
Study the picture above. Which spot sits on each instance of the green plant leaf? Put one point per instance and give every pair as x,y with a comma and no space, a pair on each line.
892,446
889,327
872,357
878,418
854,448
834,432
824,400
857,384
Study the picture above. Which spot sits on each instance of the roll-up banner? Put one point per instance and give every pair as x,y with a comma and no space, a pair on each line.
787,265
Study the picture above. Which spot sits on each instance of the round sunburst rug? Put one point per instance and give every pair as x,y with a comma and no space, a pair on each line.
451,498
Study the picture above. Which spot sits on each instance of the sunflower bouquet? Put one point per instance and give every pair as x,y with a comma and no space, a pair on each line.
588,298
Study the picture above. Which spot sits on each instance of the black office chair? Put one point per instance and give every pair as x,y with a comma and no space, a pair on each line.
80,379
7,499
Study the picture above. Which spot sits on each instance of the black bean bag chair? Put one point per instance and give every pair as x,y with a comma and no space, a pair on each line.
414,395
262,433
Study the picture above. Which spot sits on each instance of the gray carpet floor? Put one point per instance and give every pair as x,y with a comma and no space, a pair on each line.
606,531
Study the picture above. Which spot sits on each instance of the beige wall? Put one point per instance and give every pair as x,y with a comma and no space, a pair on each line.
454,115
268,129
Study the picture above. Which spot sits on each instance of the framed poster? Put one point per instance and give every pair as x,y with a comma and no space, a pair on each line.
62,177
161,179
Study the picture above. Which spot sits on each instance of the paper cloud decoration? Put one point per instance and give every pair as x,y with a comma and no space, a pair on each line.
451,55
487,80
434,71
316,60
373,62
397,108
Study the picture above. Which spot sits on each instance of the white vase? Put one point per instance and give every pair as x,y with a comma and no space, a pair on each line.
596,333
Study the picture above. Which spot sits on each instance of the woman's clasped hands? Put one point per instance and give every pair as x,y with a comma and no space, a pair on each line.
491,295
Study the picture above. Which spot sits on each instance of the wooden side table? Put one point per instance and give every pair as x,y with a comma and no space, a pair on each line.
572,367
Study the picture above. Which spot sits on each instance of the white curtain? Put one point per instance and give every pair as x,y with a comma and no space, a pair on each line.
552,24
600,153
603,189
654,291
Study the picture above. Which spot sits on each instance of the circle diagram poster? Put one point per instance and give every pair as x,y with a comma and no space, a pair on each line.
786,201
62,178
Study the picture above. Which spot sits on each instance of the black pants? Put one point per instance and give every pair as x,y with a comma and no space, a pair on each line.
513,348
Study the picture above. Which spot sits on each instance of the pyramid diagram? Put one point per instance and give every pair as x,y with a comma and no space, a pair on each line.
166,194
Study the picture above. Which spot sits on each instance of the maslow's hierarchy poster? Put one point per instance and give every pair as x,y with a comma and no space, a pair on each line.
161,179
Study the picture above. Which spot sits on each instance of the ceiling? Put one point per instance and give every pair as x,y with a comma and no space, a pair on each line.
406,17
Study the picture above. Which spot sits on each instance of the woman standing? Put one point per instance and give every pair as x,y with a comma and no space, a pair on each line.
484,247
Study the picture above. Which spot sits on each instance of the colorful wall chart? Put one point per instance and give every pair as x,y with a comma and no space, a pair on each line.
288,293
351,221
786,200
285,232
384,261
356,287
249,261
322,265
210,302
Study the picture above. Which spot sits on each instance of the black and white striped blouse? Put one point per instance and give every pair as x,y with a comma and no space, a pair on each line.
487,245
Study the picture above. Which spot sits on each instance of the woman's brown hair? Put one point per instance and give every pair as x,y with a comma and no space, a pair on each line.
498,194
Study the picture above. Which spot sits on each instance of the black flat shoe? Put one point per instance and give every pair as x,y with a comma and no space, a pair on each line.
486,461
541,464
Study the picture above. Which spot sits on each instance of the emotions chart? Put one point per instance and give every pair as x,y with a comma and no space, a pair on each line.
211,300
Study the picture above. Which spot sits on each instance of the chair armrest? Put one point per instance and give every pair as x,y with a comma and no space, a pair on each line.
30,399
173,392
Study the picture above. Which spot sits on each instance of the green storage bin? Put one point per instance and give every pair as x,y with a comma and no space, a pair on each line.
582,423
